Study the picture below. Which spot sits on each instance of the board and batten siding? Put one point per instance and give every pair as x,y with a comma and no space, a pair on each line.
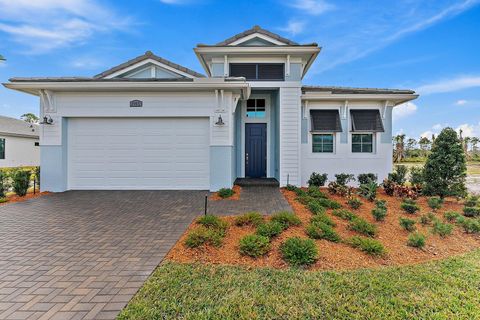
290,136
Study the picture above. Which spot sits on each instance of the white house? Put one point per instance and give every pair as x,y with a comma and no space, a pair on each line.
152,124
19,143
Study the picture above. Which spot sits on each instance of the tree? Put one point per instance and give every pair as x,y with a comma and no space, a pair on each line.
446,169
29,117
399,152
474,142
411,144
424,145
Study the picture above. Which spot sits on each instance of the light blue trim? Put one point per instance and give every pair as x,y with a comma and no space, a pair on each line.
238,139
221,167
345,130
217,70
295,72
386,137
53,164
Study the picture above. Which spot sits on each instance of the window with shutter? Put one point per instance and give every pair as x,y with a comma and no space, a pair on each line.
258,71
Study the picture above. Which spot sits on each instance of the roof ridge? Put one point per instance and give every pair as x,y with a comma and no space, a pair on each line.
148,55
257,29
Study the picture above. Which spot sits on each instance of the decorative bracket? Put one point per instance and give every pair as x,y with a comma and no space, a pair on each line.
48,102
384,109
344,110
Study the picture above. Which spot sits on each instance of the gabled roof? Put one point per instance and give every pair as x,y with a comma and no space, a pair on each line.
149,55
256,30
14,127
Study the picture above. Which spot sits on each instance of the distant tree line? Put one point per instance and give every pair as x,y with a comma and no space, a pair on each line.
412,149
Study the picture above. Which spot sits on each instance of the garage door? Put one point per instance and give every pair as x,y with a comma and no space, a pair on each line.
138,153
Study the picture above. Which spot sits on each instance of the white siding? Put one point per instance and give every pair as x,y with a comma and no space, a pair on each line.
290,136
20,151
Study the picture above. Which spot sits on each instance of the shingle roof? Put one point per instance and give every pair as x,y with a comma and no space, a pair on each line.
256,29
350,90
145,56
14,127
86,79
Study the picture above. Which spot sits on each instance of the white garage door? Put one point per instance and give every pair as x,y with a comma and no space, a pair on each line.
138,153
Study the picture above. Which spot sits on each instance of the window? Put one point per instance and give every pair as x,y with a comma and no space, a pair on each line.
37,144
2,148
366,120
256,108
325,121
258,71
362,143
322,143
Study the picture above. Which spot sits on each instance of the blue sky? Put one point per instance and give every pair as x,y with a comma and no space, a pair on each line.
432,46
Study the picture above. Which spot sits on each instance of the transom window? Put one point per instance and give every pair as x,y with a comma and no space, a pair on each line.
256,108
258,71
2,149
362,142
322,143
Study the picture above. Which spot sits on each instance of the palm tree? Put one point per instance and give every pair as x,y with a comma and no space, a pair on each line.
424,143
474,141
399,152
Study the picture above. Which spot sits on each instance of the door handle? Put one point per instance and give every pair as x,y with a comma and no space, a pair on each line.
246,157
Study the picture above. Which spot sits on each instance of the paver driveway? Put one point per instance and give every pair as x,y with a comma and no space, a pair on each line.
84,254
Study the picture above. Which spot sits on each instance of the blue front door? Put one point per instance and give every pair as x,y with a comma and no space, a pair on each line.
255,150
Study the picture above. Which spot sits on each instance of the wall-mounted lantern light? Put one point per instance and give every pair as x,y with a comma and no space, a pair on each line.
47,120
219,121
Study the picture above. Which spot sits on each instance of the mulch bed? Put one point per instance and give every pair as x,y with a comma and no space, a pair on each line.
15,198
340,256
236,195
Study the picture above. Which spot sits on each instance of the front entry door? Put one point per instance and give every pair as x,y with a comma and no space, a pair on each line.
255,150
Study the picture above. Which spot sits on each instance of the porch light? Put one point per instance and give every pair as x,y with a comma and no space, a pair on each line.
47,120
219,121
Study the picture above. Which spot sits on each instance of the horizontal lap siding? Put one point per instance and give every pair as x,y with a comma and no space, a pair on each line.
290,135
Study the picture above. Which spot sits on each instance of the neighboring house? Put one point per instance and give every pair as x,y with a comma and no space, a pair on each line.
19,143
152,124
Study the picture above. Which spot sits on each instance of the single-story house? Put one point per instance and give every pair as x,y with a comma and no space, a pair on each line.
152,124
19,143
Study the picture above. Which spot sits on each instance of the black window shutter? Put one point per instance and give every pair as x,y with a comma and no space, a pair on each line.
325,121
366,120
247,70
271,71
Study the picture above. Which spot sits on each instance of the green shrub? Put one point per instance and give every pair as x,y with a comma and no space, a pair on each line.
381,204
442,229
270,229
3,200
471,225
368,190
451,216
300,192
416,176
428,218
320,230
316,193
365,178
211,221
254,245
471,211
362,226
330,204
435,203
298,252
409,206
370,246
317,179
21,181
286,218
416,240
249,218
354,203
316,208
379,213
407,224
3,184
225,192
344,178
305,199
204,236
399,176
344,214
291,187
323,218
471,201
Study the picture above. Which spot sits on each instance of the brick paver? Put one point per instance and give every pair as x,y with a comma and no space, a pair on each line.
84,254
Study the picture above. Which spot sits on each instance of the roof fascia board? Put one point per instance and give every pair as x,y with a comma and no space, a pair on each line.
147,61
397,98
257,35
258,49
18,135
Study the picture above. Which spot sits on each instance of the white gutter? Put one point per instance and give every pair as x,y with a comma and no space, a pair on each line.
326,96
33,87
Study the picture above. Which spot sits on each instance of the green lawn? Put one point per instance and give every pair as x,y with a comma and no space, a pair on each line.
473,167
448,289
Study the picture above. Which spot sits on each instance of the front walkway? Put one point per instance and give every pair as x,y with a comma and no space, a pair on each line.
84,254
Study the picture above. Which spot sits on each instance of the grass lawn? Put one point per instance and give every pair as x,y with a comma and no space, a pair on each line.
473,167
444,289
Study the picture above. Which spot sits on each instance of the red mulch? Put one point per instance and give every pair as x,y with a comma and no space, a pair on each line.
236,196
15,198
340,256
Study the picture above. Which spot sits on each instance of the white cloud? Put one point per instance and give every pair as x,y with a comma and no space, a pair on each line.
294,27
461,102
404,110
437,127
427,134
44,25
450,85
86,63
469,130
312,7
